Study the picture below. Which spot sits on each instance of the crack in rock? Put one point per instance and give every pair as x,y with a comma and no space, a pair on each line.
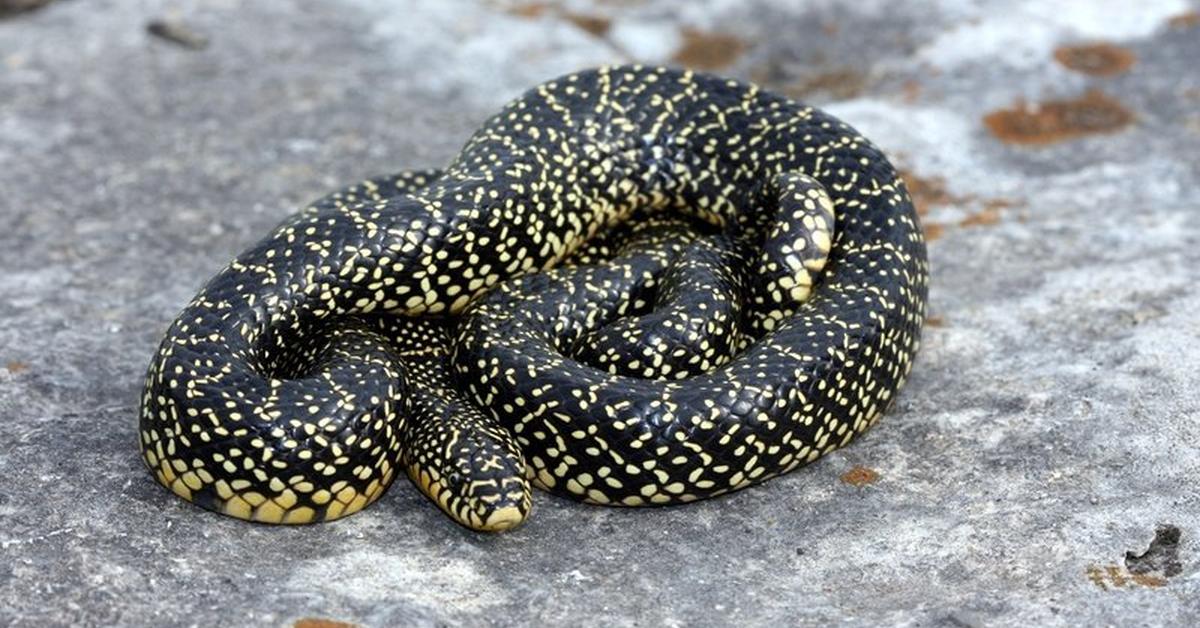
1162,556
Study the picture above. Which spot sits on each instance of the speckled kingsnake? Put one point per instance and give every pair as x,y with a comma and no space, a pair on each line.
696,285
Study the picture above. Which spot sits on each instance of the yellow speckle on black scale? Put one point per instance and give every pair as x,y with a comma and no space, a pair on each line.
633,286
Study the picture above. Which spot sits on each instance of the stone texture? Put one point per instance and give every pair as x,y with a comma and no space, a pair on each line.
1050,426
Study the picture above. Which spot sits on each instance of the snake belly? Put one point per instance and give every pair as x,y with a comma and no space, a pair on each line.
633,286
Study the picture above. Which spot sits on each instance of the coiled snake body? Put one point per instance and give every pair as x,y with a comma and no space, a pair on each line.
633,286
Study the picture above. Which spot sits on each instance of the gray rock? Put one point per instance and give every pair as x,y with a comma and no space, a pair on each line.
1050,425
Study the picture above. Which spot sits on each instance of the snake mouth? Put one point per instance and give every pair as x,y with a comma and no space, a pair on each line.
504,519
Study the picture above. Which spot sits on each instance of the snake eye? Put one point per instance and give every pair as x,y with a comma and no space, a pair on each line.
454,478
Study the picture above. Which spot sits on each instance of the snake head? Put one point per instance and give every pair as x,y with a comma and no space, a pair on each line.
476,477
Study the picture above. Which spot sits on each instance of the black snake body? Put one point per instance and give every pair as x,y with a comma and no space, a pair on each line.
633,286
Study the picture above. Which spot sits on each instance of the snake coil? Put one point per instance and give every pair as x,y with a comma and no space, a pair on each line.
633,286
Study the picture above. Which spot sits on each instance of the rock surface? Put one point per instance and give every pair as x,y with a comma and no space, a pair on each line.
1050,425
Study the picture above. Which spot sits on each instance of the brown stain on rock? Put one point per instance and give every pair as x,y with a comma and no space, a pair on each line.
838,84
983,218
594,25
1146,580
1114,577
928,192
859,476
1099,59
988,216
528,9
1189,19
708,51
320,622
16,367
935,321
933,231
1058,120
925,193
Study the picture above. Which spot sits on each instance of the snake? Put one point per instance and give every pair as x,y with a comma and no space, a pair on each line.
633,286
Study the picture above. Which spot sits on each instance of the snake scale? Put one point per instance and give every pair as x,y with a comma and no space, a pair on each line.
633,286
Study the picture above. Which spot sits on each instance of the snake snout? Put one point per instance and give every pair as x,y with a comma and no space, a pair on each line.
500,503
493,489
